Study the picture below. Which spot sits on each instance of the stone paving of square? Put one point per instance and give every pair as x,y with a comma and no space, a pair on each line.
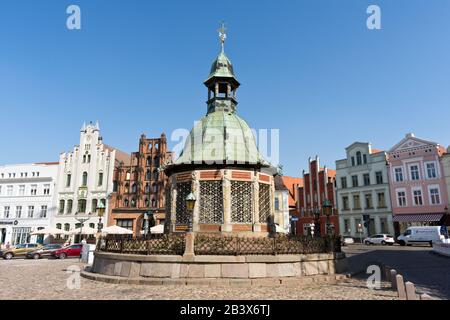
47,279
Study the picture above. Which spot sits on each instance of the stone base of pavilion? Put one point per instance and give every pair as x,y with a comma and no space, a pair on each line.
217,270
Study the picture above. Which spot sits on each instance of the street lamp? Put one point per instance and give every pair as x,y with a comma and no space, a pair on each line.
100,213
316,212
327,208
190,204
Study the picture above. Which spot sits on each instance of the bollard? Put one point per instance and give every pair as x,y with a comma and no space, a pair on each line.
393,280
387,273
401,287
425,297
411,291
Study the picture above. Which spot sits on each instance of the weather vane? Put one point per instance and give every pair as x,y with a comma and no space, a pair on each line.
222,33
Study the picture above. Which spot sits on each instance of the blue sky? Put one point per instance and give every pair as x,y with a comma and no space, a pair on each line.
311,69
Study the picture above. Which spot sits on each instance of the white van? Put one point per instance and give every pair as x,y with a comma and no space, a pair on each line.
423,235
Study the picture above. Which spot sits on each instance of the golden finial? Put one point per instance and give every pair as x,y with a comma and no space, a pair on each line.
222,33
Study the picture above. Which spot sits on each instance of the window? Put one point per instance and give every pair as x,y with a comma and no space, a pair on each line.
133,202
9,190
84,180
126,203
366,177
100,179
155,188
58,226
66,226
277,204
125,223
155,175
345,203
84,158
69,206
356,202
347,226
431,170
33,190
364,158
358,158
379,177
381,200
149,161
82,205
434,196
128,175
89,158
30,211
94,205
401,198
398,174
127,188
134,188
46,189
43,212
19,212
61,206
353,161
384,225
156,162
417,195
87,147
344,182
147,188
68,179
21,190
368,198
354,181
6,211
414,172
148,175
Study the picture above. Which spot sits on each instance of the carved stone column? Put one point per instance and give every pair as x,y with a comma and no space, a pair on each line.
255,199
226,185
196,191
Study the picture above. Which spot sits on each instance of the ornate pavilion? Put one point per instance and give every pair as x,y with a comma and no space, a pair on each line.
221,166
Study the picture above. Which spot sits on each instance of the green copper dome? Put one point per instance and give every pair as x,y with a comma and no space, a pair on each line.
221,67
220,138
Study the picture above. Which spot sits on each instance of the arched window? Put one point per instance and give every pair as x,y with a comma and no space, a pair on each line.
155,188
92,225
84,180
66,226
82,205
134,188
364,158
127,187
358,158
156,161
147,188
126,203
153,203
61,206
69,206
133,202
128,175
155,175
148,175
149,161
147,203
94,205
58,226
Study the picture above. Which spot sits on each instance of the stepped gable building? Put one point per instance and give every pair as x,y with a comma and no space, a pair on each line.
318,187
85,178
139,186
417,183
222,167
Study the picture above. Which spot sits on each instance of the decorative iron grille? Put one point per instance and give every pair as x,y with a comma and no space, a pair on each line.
264,202
151,244
211,202
241,201
183,189
211,244
168,195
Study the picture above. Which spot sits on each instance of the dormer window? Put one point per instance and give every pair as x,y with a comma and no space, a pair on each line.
358,158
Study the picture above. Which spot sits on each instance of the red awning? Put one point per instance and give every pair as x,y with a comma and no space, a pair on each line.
427,217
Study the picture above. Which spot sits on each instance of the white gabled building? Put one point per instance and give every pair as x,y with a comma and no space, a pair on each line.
85,178
363,190
26,201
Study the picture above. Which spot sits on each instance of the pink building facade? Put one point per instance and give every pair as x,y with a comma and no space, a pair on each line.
417,183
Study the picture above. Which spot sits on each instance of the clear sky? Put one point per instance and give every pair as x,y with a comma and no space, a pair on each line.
311,69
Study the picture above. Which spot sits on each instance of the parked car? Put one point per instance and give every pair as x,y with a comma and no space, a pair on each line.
381,238
73,250
423,235
45,251
346,240
19,250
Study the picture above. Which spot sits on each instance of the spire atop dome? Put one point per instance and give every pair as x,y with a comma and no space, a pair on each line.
222,34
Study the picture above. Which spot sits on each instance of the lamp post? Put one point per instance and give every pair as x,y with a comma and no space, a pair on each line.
100,213
147,217
327,208
190,204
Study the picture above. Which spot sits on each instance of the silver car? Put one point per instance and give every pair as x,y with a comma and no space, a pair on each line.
380,238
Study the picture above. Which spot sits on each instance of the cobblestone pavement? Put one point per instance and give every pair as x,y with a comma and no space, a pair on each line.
47,279
428,271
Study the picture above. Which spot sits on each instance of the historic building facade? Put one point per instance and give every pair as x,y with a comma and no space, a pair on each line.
318,187
363,191
417,181
139,186
85,179
221,167
26,201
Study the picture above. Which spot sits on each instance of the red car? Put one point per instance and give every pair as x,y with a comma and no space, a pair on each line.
70,251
